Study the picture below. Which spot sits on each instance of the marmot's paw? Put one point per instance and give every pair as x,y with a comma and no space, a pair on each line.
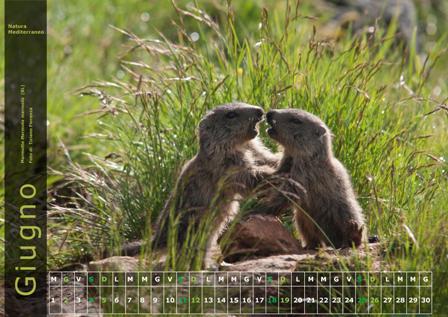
355,232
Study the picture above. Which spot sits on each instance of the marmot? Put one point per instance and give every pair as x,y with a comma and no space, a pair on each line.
328,212
229,163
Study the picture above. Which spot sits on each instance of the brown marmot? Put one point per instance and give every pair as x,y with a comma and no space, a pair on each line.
230,162
326,210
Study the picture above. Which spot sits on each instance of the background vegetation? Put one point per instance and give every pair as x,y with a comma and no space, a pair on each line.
154,69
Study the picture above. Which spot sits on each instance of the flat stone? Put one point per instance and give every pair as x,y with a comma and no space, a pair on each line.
275,263
115,263
313,260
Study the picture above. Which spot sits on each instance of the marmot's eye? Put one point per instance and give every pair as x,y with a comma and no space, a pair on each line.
231,115
296,121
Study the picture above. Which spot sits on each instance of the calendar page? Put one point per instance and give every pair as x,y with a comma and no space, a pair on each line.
246,293
224,157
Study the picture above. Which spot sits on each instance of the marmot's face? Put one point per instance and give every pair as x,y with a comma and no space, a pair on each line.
234,123
298,130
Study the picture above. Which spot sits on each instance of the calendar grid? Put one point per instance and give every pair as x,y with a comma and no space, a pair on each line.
253,291
406,291
432,304
381,292
243,293
393,293
87,290
113,293
343,306
368,285
355,295
331,296
189,284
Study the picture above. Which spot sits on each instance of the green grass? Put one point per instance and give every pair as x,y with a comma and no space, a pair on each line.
376,104
123,160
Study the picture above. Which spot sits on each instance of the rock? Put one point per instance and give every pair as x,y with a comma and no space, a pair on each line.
366,258
128,263
310,260
115,263
257,236
276,263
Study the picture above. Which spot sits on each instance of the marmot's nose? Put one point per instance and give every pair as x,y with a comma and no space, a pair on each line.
259,112
269,116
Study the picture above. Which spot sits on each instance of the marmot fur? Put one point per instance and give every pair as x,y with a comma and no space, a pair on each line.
229,164
325,207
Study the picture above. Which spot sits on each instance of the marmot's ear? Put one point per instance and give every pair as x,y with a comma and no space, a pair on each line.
202,125
320,131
